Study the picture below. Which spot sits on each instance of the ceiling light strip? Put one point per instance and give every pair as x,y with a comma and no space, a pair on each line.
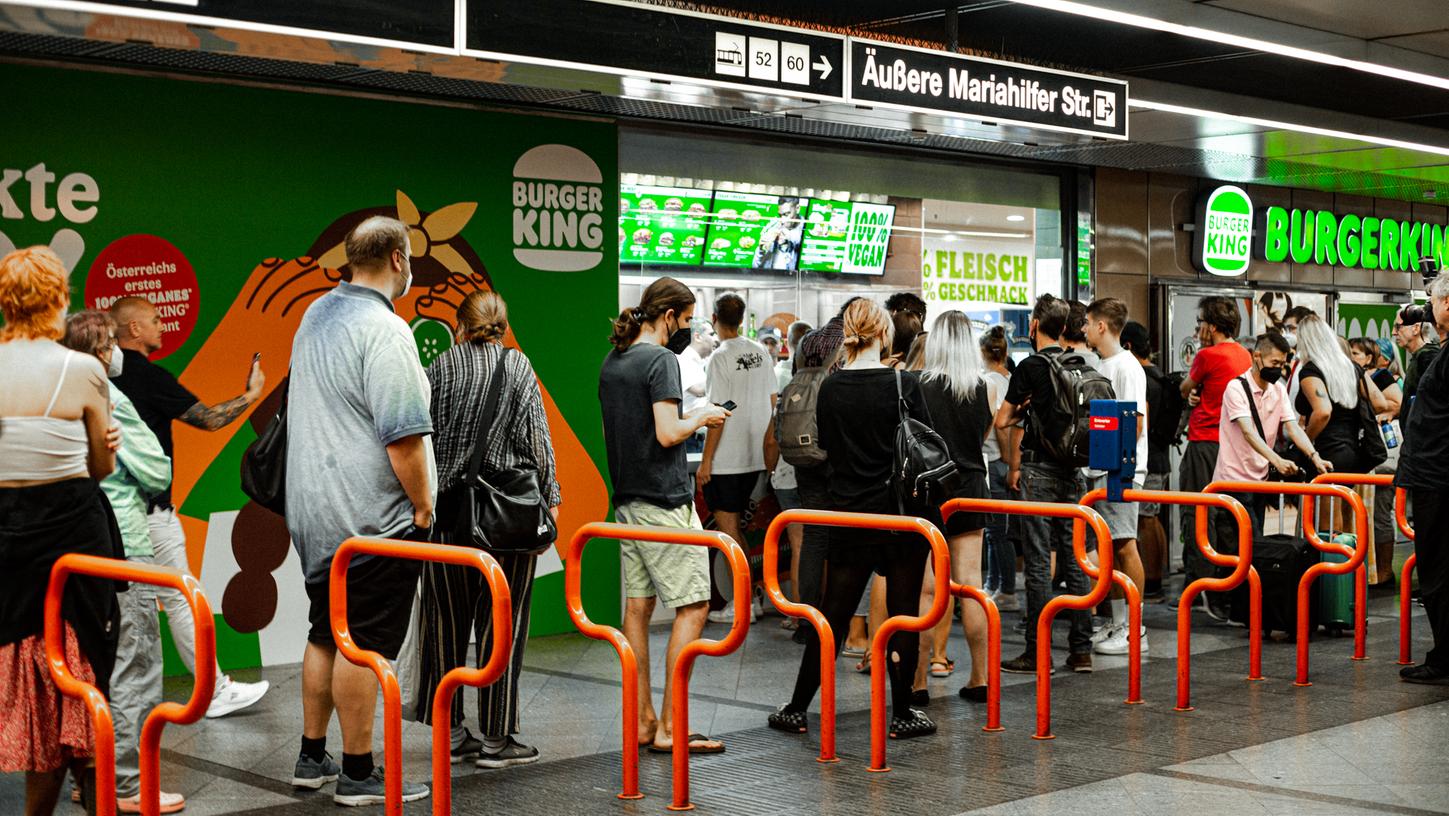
1275,49
1146,104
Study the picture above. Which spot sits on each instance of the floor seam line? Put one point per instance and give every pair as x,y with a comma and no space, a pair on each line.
1294,793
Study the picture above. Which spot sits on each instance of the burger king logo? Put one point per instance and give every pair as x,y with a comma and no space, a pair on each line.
558,210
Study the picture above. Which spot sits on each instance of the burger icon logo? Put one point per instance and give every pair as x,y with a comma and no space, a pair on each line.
558,210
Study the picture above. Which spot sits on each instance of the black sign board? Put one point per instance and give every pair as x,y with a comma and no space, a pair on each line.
418,24
1001,92
649,41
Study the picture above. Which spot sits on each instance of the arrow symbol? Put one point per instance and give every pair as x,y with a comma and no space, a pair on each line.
823,66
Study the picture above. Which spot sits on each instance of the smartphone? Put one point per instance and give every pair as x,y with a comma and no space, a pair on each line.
728,405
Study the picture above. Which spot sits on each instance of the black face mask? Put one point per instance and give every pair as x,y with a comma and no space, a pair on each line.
1270,375
679,340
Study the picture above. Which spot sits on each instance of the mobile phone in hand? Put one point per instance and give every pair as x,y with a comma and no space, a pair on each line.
728,405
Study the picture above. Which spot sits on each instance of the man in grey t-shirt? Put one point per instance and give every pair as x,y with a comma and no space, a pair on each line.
359,463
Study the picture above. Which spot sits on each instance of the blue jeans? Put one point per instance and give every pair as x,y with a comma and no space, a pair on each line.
1042,536
1000,554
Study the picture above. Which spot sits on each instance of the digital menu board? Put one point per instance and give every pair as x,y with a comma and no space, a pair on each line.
662,225
846,236
740,222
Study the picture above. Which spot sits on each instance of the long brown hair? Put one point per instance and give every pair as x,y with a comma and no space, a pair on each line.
865,321
659,297
482,318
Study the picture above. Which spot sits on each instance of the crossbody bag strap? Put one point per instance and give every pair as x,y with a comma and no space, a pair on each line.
1253,406
485,422
900,396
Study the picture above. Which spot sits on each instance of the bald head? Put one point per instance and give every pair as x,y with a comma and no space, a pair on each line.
377,253
138,326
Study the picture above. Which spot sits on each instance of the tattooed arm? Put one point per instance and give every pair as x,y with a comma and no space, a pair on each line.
222,414
1320,406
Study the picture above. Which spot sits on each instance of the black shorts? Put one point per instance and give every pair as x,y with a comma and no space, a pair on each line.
730,493
973,486
379,605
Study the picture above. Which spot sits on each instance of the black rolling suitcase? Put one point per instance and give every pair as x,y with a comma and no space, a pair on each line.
1280,561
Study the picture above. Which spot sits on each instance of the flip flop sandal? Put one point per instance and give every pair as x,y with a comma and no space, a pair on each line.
849,652
693,749
947,666
864,665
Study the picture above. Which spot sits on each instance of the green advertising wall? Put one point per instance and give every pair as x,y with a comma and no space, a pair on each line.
227,205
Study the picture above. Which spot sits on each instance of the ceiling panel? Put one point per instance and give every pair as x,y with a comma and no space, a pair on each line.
1429,42
1351,17
1374,159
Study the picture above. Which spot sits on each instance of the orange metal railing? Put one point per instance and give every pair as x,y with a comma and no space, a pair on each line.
629,671
100,710
1360,579
1406,624
1242,569
1305,585
461,675
1082,517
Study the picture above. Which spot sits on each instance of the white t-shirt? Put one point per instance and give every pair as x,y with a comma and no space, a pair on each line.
784,476
740,371
691,375
997,382
1129,382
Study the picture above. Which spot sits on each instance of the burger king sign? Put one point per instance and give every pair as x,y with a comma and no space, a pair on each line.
558,210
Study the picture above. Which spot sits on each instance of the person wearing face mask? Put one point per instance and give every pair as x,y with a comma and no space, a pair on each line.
1291,319
1414,333
142,470
644,434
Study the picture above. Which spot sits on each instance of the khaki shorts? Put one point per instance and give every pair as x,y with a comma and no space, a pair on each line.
677,573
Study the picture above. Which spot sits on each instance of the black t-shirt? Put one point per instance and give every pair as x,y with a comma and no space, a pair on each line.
1032,381
1424,462
963,424
1342,428
1383,378
1157,457
857,417
1419,362
159,400
640,468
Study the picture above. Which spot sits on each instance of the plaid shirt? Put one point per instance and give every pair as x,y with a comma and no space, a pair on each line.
817,347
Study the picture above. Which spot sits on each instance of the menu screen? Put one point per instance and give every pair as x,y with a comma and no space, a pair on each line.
755,231
662,225
846,236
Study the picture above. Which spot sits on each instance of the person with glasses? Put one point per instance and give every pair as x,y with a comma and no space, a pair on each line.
1414,333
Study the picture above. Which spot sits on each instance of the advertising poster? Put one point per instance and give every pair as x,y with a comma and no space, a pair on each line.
755,231
662,225
231,220
846,236
974,273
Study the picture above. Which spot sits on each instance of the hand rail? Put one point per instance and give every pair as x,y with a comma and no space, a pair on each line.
1242,569
1360,578
1044,622
100,711
573,584
1305,585
387,678
1406,624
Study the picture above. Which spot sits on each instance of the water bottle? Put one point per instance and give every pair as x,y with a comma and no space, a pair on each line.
1391,439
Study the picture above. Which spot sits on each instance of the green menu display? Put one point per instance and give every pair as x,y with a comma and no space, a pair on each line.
739,221
662,225
846,236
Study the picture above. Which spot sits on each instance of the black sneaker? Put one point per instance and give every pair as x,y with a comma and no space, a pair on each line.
791,722
1425,675
468,749
921,697
1024,664
914,724
973,694
1217,608
514,753
1081,663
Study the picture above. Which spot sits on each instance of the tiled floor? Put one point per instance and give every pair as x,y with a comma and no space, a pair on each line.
1358,741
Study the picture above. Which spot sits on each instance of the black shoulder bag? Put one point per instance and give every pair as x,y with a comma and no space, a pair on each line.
505,511
1274,474
925,475
264,464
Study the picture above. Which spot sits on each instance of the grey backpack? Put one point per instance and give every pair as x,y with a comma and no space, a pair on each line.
795,427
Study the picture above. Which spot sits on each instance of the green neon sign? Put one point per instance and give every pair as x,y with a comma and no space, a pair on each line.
1224,232
1363,242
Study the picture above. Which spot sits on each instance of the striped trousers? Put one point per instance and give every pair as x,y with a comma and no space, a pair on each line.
455,605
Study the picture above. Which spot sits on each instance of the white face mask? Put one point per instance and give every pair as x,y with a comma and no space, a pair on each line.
113,368
1291,338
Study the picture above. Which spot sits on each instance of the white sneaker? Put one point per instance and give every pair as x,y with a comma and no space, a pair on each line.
1104,632
232,696
170,803
1006,603
757,607
727,615
1117,643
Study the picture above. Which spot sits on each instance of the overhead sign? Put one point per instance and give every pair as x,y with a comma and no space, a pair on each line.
1224,232
1000,92
970,273
653,42
425,25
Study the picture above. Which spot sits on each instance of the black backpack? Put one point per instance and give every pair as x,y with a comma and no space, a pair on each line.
1063,427
1163,427
264,463
924,475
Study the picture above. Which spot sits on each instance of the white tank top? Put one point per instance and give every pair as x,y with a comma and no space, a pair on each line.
43,448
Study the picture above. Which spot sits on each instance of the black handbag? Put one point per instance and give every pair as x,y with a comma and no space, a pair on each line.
504,511
1372,450
924,475
264,464
1283,448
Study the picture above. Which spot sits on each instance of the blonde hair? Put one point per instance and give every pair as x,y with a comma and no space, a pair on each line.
482,318
865,321
34,291
1319,345
954,356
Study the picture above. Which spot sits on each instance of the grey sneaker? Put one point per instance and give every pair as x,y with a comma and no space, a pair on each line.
312,775
514,753
470,748
370,791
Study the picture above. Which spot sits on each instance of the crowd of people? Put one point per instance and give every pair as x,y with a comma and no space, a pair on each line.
810,415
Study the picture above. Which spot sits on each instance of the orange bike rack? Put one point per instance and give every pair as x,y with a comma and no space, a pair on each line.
1134,598
100,710
941,562
1078,513
460,675
1360,577
629,669
1305,585
1401,500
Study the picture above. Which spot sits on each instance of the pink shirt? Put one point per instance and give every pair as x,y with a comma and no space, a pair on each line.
1237,461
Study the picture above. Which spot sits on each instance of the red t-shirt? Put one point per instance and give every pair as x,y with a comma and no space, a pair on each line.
1213,368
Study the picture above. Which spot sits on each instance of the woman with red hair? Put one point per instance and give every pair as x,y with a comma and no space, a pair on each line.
56,443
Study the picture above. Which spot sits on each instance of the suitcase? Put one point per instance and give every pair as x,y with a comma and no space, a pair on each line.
1335,592
1280,561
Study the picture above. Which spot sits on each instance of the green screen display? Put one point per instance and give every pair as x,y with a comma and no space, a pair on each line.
740,221
846,236
662,225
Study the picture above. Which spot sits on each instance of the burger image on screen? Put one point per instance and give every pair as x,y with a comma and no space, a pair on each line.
648,204
667,239
720,243
696,208
642,235
623,205
673,205
751,215
693,240
728,214
747,242
621,235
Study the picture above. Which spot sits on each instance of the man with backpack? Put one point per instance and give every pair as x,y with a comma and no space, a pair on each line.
1045,467
1164,411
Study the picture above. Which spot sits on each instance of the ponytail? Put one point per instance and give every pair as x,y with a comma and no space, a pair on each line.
659,297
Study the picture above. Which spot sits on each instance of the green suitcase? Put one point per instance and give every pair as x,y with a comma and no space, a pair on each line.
1335,592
